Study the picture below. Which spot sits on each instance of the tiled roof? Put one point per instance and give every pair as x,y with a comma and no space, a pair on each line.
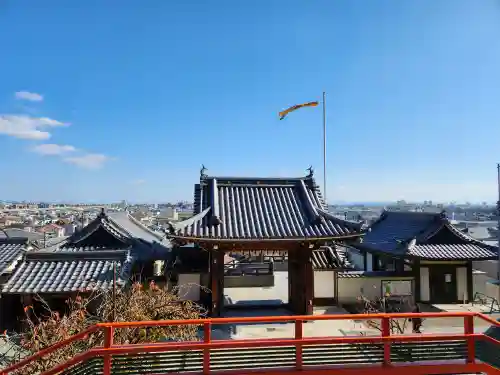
423,235
11,250
360,274
117,231
20,233
261,208
455,251
62,272
326,258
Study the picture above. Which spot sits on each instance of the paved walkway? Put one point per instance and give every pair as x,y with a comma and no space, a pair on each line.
279,294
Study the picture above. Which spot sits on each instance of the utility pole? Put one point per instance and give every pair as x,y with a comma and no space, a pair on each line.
324,147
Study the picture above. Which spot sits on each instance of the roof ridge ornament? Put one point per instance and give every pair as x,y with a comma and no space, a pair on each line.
203,175
103,213
310,172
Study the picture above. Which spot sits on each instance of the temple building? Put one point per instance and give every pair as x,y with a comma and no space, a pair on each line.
244,215
428,246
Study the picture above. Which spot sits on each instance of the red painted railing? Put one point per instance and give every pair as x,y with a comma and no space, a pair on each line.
299,341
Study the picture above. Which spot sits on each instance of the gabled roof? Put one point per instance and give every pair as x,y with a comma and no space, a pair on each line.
423,235
235,208
118,231
11,251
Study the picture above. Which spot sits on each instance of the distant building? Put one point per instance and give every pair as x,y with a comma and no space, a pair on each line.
52,230
170,213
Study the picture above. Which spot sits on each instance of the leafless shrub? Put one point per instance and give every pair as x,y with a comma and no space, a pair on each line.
137,303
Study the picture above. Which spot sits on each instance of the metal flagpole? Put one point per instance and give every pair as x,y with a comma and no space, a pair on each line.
498,221
324,146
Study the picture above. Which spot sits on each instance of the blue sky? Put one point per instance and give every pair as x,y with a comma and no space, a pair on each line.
141,93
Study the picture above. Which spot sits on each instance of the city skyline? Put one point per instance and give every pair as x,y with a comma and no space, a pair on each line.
128,102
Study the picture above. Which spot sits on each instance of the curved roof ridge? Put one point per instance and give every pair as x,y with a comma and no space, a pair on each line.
467,237
175,227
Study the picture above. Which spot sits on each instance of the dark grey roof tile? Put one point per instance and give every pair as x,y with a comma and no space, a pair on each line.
424,235
45,272
326,258
117,231
11,250
261,208
452,251
394,227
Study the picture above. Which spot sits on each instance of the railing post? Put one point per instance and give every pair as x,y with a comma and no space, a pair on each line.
207,339
386,332
108,343
299,334
471,342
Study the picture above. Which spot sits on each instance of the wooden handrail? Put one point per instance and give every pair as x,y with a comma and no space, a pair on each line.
110,349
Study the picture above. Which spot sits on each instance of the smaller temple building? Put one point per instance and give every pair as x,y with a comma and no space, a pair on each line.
106,253
429,247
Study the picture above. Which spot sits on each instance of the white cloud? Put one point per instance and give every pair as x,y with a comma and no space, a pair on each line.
138,182
27,127
53,149
88,161
30,96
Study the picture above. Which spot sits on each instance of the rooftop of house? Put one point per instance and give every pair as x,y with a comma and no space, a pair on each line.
423,235
246,208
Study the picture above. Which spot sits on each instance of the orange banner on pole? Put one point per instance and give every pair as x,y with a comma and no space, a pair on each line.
284,113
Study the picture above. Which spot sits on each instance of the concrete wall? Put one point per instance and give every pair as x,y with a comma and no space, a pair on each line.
482,283
493,290
350,289
249,281
488,266
324,284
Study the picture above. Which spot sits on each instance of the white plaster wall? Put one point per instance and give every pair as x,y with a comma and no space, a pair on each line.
324,284
189,286
425,292
462,284
369,262
356,258
350,289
